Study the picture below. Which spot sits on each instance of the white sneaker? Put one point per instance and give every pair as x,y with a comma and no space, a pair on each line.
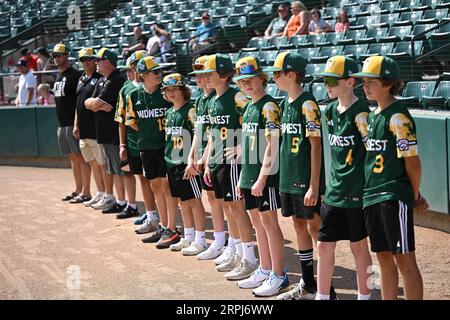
93,201
194,249
211,253
182,244
148,226
254,281
242,271
272,286
298,292
230,265
105,203
225,256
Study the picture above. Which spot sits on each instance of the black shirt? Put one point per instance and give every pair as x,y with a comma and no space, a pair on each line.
86,118
65,91
107,90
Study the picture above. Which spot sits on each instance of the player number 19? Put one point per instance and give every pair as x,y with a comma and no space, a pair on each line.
162,124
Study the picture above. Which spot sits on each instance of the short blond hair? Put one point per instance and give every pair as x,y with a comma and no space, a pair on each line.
299,4
44,86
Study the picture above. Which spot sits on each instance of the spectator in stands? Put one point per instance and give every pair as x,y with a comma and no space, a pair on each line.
206,35
30,58
27,85
342,23
317,24
45,98
43,64
277,25
141,43
298,23
160,42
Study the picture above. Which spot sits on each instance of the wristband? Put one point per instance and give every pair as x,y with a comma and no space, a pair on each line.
123,145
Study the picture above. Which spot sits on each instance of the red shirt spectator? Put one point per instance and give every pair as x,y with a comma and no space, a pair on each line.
342,23
30,58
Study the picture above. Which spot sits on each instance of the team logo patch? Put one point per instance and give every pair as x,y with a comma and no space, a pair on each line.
271,126
311,126
93,82
403,144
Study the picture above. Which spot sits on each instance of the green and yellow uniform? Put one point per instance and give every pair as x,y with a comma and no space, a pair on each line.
179,126
301,119
347,132
202,105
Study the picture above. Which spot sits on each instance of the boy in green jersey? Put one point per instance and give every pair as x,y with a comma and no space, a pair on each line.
128,148
180,123
392,179
196,160
341,212
258,182
301,166
146,109
225,118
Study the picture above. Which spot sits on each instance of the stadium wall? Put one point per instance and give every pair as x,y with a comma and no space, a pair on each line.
28,137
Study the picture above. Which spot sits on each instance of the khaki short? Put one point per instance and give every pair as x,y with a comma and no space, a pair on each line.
91,151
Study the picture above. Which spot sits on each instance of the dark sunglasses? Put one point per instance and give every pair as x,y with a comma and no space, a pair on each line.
87,59
57,55
158,71
205,18
197,67
332,82
276,74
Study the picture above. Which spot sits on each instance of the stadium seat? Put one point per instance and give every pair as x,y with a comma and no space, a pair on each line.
327,52
300,41
355,50
408,18
418,29
396,34
403,49
390,6
352,37
308,53
440,98
433,16
415,90
378,49
267,58
255,44
374,35
312,69
319,91
410,5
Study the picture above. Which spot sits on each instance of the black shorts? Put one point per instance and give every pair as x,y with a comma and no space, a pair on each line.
135,164
153,164
292,205
225,180
390,225
270,200
341,224
183,189
204,185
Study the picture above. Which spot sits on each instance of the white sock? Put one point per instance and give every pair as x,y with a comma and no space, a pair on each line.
264,271
109,196
100,194
248,252
238,245
363,296
133,205
151,215
219,238
231,243
322,296
189,234
121,202
200,237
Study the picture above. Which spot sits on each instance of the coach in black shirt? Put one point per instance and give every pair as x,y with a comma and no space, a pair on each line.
84,125
64,89
103,103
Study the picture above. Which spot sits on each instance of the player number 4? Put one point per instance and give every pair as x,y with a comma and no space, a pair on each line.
349,158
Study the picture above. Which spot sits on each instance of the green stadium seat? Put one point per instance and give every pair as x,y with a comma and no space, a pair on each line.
272,89
418,29
408,18
433,16
319,91
327,52
300,41
410,5
312,69
440,98
374,35
234,56
396,34
391,6
352,37
415,90
308,53
434,4
330,12
352,9
378,49
403,49
331,38
255,44
355,50
267,58
316,38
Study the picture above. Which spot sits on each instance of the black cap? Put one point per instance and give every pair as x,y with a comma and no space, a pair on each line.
22,63
24,51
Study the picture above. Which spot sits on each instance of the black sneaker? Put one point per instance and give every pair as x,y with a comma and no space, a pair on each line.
154,237
128,213
168,238
115,208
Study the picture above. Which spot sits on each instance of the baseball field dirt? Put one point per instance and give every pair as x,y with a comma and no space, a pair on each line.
51,249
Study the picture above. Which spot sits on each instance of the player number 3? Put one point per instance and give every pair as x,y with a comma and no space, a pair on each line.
379,160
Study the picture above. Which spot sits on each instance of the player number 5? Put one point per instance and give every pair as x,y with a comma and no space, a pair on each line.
295,146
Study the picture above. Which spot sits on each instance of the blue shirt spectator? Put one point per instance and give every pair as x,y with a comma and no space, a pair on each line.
209,29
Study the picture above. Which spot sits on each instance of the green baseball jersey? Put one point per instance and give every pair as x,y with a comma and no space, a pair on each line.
391,138
202,123
148,110
120,116
179,127
347,132
225,115
301,119
260,121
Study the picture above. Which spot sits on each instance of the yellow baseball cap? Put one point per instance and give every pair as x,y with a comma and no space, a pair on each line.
147,64
173,80
199,64
339,67
379,67
60,49
86,53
